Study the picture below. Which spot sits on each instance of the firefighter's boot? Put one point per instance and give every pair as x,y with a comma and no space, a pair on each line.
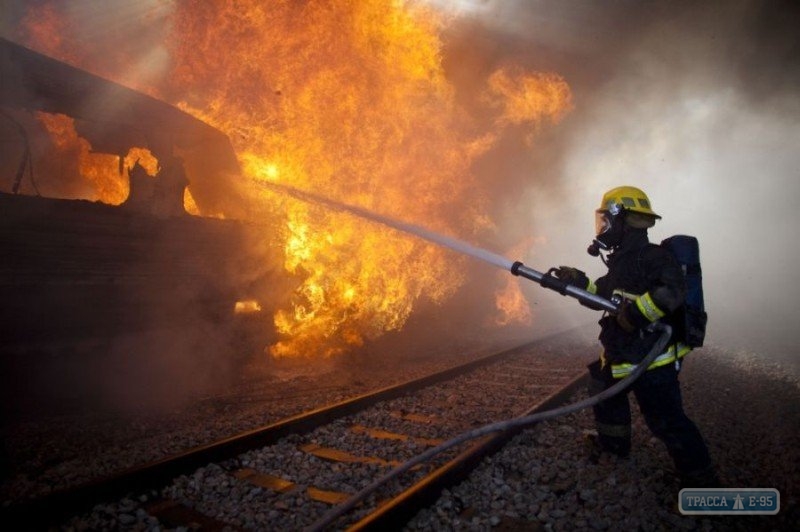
596,447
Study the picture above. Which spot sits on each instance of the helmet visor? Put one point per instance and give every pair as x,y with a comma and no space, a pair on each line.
602,222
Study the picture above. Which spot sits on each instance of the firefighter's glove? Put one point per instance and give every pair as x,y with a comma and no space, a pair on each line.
630,318
625,316
572,276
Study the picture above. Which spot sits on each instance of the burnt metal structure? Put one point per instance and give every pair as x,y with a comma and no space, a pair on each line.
114,118
85,285
75,268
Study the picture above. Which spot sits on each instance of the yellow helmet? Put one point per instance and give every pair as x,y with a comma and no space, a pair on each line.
631,198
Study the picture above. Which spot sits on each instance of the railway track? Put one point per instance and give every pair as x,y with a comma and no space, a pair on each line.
288,475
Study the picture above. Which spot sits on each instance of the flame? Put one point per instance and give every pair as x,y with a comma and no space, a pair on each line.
529,97
100,172
142,156
189,205
349,100
512,306
248,306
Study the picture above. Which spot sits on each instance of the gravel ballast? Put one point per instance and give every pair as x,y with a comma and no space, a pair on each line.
746,409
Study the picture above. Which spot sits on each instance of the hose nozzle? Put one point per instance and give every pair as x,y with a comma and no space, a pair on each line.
548,280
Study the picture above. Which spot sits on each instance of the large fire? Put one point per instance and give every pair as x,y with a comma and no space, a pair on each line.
349,100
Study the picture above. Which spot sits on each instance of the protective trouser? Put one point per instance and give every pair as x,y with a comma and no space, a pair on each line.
659,396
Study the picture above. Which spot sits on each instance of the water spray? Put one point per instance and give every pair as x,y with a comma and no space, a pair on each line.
546,280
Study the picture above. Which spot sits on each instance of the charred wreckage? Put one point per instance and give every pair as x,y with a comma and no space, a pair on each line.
74,268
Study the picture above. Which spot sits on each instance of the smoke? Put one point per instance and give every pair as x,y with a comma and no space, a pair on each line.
697,104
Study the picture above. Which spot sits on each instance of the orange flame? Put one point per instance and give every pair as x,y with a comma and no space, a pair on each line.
513,308
529,96
349,100
99,171
511,304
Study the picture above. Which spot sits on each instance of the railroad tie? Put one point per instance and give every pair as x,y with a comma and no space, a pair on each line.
414,417
281,485
386,435
336,455
174,514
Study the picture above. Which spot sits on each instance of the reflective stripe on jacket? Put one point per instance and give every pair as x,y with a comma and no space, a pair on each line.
673,353
652,280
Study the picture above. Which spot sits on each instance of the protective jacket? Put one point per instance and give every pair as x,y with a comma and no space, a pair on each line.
651,281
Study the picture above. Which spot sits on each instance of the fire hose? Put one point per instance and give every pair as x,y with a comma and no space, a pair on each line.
547,281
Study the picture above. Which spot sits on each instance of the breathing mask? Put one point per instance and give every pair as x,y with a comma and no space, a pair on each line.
608,224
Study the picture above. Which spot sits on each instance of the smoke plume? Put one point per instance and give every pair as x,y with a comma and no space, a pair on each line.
697,104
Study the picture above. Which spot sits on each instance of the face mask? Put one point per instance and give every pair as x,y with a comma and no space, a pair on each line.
609,226
602,222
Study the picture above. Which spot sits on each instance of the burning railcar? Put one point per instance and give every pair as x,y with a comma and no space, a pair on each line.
75,268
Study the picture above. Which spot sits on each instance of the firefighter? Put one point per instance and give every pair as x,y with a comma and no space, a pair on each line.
652,287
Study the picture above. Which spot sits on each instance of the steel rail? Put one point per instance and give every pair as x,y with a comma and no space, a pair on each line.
395,513
665,332
58,505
